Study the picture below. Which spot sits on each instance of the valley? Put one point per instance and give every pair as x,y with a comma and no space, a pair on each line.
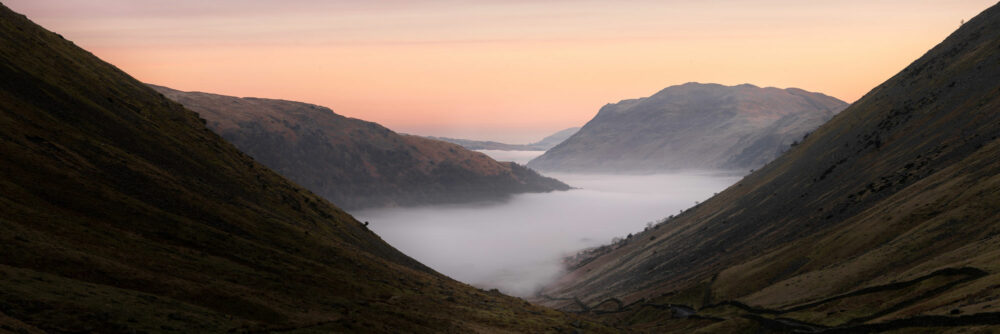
127,207
517,245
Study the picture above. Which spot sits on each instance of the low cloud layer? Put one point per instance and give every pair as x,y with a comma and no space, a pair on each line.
517,246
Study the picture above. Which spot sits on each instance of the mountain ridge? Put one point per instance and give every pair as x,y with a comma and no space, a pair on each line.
541,145
899,187
691,126
121,212
356,163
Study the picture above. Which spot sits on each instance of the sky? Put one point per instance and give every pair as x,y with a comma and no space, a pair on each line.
506,70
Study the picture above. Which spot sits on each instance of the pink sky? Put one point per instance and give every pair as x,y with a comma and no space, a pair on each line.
513,71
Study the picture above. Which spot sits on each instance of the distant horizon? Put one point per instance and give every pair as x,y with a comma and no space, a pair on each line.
511,72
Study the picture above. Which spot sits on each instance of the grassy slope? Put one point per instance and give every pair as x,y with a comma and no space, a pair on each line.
120,211
355,163
903,183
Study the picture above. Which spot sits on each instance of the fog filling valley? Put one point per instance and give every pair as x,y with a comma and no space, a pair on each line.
517,246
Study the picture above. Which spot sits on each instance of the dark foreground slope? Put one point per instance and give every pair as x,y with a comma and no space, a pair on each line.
886,217
692,126
121,212
354,163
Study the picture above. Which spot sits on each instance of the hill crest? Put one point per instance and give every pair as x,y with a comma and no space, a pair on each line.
692,126
356,163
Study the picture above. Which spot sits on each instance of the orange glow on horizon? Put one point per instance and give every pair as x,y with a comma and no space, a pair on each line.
510,71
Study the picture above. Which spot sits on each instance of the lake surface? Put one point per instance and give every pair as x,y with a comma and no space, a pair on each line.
517,245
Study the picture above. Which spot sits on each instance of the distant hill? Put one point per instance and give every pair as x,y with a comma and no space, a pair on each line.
555,138
885,219
541,145
120,212
692,126
485,144
354,163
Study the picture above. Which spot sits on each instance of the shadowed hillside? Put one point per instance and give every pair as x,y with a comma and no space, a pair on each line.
692,126
354,163
120,212
884,218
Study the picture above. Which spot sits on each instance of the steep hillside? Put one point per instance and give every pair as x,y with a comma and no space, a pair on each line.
887,217
120,212
546,143
692,126
354,163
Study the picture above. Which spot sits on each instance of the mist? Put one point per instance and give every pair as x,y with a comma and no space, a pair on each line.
517,246
520,157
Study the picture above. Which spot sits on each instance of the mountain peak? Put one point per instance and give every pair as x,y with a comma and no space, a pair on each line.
692,126
882,219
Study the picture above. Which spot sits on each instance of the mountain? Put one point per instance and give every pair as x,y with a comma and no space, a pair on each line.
885,218
541,145
354,163
120,212
555,139
485,144
692,126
